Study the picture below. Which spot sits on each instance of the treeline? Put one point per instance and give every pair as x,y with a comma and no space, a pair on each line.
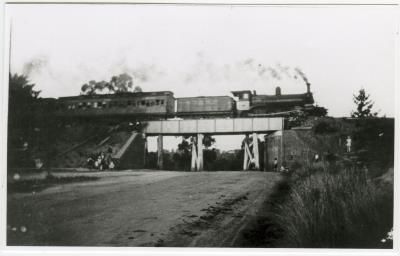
213,160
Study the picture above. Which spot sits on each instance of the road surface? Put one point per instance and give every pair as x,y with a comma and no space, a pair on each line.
140,208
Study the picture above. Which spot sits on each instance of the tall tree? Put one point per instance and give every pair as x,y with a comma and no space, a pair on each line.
208,140
21,118
121,83
117,84
364,105
21,99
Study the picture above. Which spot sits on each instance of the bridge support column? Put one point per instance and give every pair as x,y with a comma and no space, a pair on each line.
265,144
194,156
251,152
197,153
256,151
160,160
200,152
145,150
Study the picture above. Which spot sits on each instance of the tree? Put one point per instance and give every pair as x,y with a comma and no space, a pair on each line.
21,100
117,84
21,118
93,87
364,105
317,111
208,141
121,83
137,89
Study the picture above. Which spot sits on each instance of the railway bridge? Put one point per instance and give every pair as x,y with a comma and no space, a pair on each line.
218,126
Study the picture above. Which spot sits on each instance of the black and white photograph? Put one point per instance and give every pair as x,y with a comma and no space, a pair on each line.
207,125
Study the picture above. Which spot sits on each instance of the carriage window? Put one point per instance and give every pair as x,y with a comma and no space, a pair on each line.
162,102
94,104
147,103
152,103
157,102
143,102
129,103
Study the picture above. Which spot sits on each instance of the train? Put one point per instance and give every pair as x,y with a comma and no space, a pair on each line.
163,105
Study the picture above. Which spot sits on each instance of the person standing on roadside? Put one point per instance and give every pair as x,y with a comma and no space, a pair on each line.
275,164
348,144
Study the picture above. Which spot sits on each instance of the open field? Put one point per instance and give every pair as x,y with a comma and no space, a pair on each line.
140,208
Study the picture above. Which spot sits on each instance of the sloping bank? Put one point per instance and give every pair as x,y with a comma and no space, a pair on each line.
338,202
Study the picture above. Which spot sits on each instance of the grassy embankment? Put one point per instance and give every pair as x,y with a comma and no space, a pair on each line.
333,208
344,203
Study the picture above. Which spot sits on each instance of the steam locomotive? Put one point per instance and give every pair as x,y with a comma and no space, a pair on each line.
163,105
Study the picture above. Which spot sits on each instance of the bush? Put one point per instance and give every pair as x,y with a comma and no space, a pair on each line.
325,126
374,143
340,209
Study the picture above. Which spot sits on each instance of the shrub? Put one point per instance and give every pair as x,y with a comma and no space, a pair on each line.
339,209
325,126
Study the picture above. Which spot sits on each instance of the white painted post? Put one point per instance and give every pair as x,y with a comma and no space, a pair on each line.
255,151
246,156
160,162
194,157
249,156
145,150
199,152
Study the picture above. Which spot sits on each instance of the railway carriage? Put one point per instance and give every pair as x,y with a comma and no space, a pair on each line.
143,104
211,106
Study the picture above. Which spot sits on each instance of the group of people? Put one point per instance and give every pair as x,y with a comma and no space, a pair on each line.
316,157
282,169
100,161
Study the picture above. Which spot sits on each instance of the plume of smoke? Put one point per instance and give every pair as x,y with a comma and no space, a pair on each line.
302,75
249,62
139,72
274,73
284,70
34,65
261,70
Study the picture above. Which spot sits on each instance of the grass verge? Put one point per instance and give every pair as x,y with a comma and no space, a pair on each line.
37,185
336,209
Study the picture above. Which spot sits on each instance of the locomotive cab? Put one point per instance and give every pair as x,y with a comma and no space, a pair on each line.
243,101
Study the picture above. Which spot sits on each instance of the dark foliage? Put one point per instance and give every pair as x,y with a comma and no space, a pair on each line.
117,84
374,142
22,98
325,126
364,105
317,111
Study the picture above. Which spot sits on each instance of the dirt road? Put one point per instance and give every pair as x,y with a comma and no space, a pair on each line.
157,208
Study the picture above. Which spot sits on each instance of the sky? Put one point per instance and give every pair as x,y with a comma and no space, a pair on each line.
199,50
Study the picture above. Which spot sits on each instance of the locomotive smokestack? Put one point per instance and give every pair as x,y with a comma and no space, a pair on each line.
308,87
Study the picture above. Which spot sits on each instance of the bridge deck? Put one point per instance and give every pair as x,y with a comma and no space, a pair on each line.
213,126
